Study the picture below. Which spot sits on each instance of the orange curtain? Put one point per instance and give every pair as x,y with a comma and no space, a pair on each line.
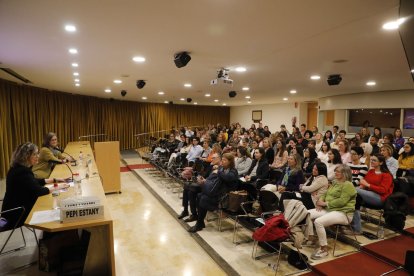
28,113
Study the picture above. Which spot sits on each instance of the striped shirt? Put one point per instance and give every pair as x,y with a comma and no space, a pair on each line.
358,172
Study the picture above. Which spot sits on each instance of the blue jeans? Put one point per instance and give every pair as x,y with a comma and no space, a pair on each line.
370,198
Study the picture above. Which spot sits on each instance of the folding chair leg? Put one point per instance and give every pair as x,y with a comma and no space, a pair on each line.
7,240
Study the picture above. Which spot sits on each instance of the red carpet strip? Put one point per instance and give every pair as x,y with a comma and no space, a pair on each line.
125,169
355,264
140,166
391,250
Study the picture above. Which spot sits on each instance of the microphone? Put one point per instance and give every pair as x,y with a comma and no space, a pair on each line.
62,151
60,163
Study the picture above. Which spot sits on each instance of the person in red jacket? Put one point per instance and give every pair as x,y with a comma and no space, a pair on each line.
374,188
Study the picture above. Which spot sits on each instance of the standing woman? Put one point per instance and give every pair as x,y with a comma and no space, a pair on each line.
22,188
334,207
49,156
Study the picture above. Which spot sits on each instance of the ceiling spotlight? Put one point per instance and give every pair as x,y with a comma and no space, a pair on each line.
77,84
76,74
160,93
165,102
140,84
181,59
334,79
249,102
187,85
393,25
207,95
195,103
412,71
117,81
182,99
107,90
138,59
245,88
247,97
70,28
75,64
232,94
285,99
224,104
123,93
240,69
189,100
293,91
216,100
76,80
315,77
371,83
144,98
73,51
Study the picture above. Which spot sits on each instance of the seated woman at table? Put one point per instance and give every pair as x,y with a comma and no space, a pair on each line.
22,188
49,156
334,207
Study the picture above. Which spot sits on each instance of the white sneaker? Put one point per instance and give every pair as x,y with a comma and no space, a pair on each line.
320,254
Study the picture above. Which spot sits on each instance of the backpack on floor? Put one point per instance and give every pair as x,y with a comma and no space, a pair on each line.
396,208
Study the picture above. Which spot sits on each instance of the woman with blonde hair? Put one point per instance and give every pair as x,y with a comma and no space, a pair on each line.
367,147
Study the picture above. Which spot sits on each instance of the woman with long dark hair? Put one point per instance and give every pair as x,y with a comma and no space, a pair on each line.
406,160
334,159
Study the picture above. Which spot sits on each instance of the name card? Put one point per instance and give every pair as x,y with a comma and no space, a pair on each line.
80,208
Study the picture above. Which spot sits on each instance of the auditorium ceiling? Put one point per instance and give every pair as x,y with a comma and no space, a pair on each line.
280,44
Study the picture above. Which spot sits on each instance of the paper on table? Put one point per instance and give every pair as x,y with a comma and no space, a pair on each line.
45,216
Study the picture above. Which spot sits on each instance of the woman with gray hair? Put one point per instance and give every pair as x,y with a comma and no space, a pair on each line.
22,188
336,206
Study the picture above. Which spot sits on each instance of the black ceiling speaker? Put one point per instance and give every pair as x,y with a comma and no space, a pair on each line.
123,93
181,59
140,84
334,79
232,94
189,100
170,102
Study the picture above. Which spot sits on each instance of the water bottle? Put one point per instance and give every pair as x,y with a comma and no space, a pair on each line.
78,184
381,232
55,195
80,158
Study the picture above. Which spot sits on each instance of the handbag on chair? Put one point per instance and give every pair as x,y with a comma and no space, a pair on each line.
235,199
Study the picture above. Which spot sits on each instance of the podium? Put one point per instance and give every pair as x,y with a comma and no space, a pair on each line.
107,160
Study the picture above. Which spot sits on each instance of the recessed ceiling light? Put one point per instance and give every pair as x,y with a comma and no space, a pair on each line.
412,71
160,93
315,77
207,95
73,51
371,83
393,25
138,59
187,84
166,102
108,91
182,99
77,84
76,80
76,74
75,64
216,100
240,69
249,102
117,81
247,97
196,103
144,98
224,104
245,88
70,28
285,99
293,91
